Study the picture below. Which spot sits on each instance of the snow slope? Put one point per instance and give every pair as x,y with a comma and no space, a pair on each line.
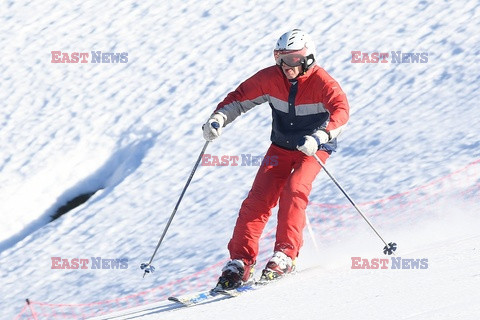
132,132
340,293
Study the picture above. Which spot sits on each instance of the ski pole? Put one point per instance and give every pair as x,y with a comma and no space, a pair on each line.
147,267
391,246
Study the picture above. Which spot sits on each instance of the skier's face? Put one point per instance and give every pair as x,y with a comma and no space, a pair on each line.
291,61
291,72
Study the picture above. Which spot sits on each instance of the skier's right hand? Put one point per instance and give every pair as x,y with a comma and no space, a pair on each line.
212,129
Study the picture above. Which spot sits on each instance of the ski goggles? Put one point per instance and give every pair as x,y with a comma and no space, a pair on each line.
289,57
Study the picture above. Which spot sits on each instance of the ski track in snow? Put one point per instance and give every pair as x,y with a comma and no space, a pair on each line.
133,130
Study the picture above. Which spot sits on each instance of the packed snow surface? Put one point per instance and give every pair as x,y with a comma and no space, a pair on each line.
131,132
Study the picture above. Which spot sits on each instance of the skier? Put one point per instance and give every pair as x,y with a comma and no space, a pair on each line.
309,110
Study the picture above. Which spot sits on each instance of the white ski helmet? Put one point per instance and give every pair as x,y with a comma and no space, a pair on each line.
295,48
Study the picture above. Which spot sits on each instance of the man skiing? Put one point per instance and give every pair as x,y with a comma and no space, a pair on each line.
309,110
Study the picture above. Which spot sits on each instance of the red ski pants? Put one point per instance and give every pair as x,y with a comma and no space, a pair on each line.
287,183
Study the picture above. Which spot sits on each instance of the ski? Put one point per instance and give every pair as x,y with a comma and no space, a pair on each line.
191,299
237,291
217,294
214,294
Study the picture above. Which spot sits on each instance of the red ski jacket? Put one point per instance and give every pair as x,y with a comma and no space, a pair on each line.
313,101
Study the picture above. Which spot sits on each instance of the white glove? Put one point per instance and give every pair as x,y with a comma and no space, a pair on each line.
209,131
310,144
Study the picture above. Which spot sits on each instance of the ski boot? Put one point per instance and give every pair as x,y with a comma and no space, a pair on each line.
278,266
234,274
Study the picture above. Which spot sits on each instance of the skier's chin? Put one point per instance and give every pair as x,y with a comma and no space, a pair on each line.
290,72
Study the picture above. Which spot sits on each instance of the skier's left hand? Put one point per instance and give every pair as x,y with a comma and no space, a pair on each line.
309,144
